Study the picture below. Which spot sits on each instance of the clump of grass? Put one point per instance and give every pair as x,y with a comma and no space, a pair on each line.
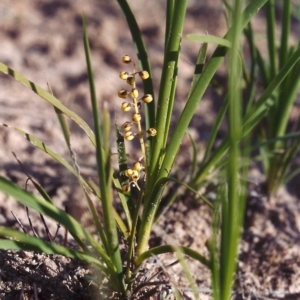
152,171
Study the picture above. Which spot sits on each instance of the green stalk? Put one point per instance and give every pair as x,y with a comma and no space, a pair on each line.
288,97
285,33
105,192
153,196
169,17
251,84
252,117
230,227
169,74
198,92
271,26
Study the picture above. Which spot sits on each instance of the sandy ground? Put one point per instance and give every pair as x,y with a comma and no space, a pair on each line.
43,40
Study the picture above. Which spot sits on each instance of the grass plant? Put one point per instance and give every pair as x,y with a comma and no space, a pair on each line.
159,145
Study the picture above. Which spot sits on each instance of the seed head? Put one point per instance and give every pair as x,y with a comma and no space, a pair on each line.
122,94
136,118
137,166
128,172
126,188
152,131
127,126
124,75
126,106
126,59
135,175
134,93
130,80
144,75
128,136
147,98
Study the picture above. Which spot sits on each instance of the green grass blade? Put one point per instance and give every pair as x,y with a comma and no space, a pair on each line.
271,38
49,98
198,92
149,213
200,63
169,19
96,219
214,131
253,116
209,39
104,182
39,188
251,82
42,146
194,156
24,242
288,95
123,228
106,125
126,200
173,196
231,225
46,208
64,127
265,102
180,129
285,32
173,248
166,91
263,69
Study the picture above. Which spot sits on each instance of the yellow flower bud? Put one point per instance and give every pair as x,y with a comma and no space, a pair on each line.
128,172
126,106
147,98
135,175
126,188
127,126
137,166
144,75
136,117
134,93
124,75
130,80
128,136
122,94
152,131
126,59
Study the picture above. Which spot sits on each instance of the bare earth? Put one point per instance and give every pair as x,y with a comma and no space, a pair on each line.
43,40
